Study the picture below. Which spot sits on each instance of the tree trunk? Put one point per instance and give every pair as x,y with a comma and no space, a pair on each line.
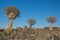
51,26
30,26
10,25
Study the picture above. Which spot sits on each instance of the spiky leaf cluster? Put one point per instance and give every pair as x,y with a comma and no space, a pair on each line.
12,9
51,19
31,21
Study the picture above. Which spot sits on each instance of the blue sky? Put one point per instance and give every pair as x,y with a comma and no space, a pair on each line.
36,9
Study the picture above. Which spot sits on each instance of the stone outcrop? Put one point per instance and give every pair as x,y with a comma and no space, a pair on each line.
31,34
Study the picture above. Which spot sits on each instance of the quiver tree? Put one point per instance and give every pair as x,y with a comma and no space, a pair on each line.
11,12
31,22
51,20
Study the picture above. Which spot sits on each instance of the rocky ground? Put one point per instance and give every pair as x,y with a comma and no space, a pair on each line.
30,34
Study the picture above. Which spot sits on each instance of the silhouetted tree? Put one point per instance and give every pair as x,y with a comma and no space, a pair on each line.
51,20
12,12
31,22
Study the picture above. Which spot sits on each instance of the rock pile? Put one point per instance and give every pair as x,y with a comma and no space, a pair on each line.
31,34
